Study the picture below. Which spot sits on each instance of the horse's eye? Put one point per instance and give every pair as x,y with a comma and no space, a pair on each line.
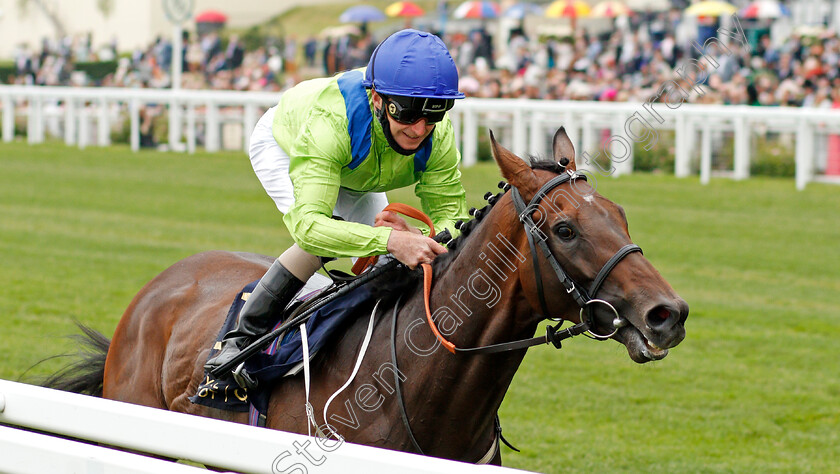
564,232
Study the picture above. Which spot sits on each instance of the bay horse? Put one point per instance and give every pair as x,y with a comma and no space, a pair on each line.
485,291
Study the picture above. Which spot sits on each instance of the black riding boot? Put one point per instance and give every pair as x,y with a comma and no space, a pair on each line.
274,291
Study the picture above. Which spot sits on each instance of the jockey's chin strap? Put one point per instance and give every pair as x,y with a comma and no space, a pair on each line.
554,334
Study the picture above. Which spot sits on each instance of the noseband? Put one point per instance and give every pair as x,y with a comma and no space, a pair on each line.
585,299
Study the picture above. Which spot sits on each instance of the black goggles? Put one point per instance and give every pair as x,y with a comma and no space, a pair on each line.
409,110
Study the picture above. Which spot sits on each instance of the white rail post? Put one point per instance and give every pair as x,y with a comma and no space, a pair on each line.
589,140
84,126
535,135
455,117
212,128
175,124
191,128
103,125
70,121
682,163
742,149
625,166
249,122
30,120
8,118
573,132
470,152
40,126
134,113
519,142
706,153
804,154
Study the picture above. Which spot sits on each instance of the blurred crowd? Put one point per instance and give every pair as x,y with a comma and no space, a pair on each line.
630,62
207,62
640,64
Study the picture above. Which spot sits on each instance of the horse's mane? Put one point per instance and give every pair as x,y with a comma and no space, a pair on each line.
406,281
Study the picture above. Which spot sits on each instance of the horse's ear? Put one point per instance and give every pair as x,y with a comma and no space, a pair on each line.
514,169
563,148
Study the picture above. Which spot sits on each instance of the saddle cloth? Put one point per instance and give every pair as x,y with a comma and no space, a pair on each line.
284,357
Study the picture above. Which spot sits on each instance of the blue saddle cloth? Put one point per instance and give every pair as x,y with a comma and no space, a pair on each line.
272,363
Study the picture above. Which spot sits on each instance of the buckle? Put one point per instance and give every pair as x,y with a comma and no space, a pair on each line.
243,378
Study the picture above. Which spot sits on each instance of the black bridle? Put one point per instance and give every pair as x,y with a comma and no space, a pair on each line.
584,299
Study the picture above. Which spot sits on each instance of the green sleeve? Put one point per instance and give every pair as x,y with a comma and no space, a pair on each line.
440,190
315,171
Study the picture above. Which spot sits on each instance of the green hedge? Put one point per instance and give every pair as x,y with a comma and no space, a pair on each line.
772,157
660,158
96,71
7,71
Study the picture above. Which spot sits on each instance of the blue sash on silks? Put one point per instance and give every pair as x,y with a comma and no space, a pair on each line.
272,363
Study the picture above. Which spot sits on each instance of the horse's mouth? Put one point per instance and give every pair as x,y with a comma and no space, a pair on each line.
639,348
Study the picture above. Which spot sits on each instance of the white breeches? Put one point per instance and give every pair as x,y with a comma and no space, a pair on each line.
271,165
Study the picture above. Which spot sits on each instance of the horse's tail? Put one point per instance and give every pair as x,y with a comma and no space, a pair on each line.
87,372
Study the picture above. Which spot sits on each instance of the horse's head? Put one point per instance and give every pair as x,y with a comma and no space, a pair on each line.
587,237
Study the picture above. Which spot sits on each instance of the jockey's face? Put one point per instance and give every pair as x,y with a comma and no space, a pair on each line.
408,136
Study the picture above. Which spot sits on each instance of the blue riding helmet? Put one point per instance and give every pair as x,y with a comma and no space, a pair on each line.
415,64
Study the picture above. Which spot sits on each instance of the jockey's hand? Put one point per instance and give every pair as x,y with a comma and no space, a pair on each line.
394,221
413,249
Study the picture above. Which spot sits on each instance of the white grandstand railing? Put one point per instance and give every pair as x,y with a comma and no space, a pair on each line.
524,126
207,441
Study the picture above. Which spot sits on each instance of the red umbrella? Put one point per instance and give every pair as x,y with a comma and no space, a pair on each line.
211,16
404,9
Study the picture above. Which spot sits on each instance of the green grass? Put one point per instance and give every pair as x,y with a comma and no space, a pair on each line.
755,386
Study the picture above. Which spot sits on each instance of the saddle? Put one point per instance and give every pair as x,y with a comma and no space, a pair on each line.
284,357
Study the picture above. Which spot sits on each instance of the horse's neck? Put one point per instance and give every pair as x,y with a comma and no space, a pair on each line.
476,302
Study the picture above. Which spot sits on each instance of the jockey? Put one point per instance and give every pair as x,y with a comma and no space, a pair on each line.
331,148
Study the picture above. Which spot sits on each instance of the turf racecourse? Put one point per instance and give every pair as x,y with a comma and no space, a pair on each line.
755,387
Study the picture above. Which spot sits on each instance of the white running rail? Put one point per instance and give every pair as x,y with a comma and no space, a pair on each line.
524,126
207,441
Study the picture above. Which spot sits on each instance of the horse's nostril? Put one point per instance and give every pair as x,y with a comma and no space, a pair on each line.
659,316
683,311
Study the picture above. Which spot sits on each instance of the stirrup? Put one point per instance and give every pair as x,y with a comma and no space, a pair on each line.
243,378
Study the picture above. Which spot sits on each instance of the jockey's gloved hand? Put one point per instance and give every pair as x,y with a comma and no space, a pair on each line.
395,221
413,249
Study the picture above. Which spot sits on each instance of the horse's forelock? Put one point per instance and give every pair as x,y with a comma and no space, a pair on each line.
538,163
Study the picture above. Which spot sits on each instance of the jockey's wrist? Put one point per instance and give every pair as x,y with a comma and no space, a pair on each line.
383,237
